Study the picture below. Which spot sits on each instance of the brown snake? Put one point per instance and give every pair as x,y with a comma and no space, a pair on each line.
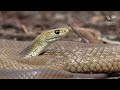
46,58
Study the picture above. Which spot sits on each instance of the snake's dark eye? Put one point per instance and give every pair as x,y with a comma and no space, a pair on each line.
57,31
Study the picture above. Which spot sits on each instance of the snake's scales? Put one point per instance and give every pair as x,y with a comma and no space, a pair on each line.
61,59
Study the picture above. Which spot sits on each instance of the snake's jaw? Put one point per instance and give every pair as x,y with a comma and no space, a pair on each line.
52,40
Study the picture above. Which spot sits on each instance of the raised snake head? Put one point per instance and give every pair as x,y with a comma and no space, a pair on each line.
42,41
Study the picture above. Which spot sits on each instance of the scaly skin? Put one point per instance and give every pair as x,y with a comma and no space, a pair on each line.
62,57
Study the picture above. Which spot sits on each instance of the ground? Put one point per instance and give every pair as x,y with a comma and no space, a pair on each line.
26,25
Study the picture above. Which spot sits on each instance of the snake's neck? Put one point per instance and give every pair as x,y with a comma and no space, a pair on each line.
34,49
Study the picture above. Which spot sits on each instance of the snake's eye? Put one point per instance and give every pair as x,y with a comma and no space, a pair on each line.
57,31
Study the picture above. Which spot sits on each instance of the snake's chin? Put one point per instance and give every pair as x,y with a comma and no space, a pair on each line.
52,39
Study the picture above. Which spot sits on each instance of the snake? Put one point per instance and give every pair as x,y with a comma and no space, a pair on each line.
46,57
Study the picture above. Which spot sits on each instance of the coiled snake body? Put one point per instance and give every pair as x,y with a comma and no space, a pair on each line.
47,58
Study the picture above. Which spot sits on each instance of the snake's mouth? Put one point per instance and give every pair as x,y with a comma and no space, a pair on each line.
52,39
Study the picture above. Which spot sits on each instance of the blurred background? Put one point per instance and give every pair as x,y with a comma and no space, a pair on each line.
26,25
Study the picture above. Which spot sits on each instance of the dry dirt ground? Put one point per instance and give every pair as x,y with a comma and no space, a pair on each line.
26,25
